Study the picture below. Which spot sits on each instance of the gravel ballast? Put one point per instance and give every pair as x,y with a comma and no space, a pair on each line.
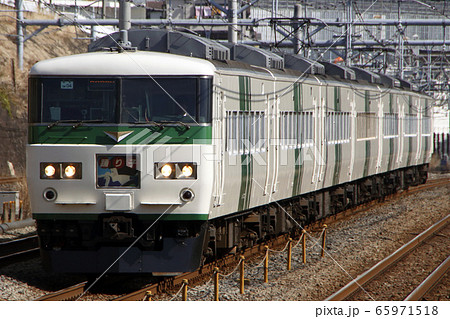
353,245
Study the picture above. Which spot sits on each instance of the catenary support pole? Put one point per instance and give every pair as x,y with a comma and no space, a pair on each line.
20,38
232,18
349,33
296,26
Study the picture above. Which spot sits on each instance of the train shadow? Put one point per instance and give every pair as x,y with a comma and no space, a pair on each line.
118,284
32,273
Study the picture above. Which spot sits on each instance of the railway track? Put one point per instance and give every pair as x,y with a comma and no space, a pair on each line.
18,250
203,274
411,190
66,294
378,276
430,282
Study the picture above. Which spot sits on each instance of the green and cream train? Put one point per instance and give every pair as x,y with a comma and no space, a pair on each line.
156,157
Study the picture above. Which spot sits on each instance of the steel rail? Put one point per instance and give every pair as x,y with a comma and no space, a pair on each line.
429,184
19,256
381,266
66,294
429,282
376,202
19,250
201,274
204,273
207,271
17,245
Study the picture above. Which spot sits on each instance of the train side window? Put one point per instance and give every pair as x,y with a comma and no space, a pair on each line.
262,132
426,125
366,125
288,129
390,125
410,126
337,127
245,132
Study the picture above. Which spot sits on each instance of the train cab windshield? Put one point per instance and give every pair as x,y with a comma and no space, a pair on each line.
121,100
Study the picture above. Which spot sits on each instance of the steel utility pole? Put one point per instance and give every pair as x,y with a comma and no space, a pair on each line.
296,26
20,38
348,33
401,44
232,18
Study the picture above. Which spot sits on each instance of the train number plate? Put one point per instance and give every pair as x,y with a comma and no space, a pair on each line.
118,171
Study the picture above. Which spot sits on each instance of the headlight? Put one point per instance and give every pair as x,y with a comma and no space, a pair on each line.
70,171
166,170
49,171
175,171
187,171
60,170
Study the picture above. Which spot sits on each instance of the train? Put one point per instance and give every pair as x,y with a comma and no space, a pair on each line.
159,154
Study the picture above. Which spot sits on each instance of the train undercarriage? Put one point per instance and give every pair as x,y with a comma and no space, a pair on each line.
170,247
244,229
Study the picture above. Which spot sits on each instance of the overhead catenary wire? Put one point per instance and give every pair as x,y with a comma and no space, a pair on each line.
173,99
78,25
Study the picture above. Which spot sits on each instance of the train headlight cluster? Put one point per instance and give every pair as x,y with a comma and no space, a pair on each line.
175,171
60,170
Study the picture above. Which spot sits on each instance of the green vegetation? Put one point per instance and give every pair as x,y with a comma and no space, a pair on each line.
4,101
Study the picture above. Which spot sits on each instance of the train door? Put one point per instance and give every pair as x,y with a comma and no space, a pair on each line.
351,98
272,144
319,134
420,109
219,127
380,131
401,132
276,139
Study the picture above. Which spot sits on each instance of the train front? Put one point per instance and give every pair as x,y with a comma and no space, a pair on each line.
116,172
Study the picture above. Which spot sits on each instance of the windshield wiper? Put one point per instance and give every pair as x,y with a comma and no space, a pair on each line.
60,122
176,122
80,123
77,122
150,122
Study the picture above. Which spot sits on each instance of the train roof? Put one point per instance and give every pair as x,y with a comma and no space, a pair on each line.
127,63
165,52
221,53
